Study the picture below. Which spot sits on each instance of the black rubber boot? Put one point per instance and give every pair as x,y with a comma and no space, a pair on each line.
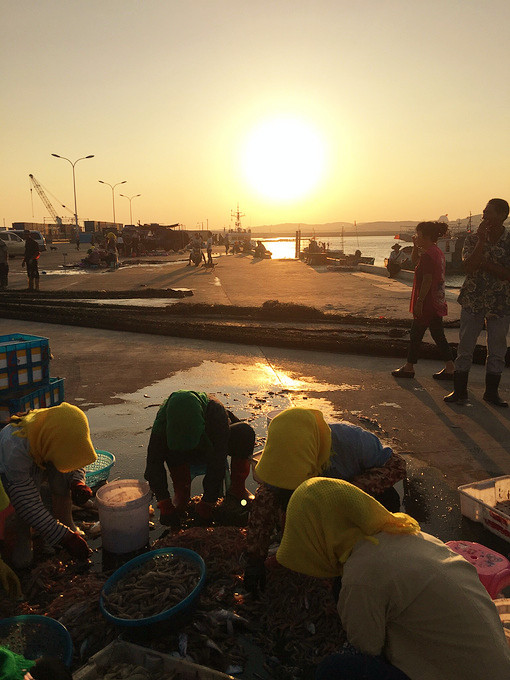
491,390
459,395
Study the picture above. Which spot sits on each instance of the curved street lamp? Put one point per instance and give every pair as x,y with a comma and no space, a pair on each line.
112,187
130,198
74,186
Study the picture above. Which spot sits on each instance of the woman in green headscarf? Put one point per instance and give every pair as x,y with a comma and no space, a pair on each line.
411,608
193,428
16,667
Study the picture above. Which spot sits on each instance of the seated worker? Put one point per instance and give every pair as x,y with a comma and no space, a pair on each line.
8,579
49,445
411,608
195,428
260,250
93,258
300,444
195,254
394,261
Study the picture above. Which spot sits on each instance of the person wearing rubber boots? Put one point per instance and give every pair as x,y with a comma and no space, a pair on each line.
194,428
30,259
485,300
45,447
300,445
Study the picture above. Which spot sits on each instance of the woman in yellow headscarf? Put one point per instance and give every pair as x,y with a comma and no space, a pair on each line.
53,445
300,445
8,579
411,608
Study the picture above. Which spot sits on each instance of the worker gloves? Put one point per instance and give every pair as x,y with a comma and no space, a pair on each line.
80,493
75,545
255,575
9,580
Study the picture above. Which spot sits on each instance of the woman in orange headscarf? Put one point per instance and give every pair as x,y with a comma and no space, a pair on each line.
411,608
52,445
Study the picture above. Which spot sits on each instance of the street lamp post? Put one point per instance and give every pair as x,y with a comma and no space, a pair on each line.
74,186
112,187
130,198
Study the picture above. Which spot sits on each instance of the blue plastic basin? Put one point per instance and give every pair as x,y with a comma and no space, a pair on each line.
136,563
43,637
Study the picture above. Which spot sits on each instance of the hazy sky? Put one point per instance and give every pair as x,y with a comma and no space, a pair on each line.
300,111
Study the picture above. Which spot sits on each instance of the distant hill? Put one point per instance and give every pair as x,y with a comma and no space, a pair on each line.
362,228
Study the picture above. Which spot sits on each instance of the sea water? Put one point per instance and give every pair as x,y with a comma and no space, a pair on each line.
378,247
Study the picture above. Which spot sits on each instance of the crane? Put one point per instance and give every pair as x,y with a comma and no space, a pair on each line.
45,200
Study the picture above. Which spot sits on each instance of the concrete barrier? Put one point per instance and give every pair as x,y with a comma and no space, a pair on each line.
403,274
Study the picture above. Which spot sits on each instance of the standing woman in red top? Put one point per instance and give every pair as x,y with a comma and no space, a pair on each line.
428,303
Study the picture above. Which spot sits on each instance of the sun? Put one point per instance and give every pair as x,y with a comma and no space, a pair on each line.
283,158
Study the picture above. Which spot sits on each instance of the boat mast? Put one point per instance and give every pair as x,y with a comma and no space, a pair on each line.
238,216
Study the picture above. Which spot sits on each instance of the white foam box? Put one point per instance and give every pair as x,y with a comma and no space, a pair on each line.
478,502
154,662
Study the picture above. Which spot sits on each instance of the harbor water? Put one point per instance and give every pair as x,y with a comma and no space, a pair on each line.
378,247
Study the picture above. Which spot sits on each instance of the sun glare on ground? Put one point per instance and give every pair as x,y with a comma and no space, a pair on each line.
283,158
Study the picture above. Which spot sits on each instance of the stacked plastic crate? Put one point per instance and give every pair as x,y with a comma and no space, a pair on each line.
25,381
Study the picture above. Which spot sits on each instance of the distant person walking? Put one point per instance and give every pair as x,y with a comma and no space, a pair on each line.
428,303
78,242
32,255
4,265
111,248
485,299
209,251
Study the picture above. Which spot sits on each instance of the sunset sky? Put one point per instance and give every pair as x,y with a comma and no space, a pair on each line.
300,111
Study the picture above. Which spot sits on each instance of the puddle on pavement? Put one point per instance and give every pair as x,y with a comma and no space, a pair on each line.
252,392
249,391
68,270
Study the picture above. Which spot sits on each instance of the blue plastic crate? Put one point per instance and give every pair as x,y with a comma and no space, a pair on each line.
42,397
24,361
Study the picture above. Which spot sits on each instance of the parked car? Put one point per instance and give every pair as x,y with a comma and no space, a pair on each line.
15,244
36,235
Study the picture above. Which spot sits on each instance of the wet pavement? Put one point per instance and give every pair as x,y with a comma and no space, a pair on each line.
237,280
119,379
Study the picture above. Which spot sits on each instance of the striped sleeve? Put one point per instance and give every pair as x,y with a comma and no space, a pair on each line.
27,503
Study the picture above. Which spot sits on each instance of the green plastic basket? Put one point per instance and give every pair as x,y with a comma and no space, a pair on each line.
99,470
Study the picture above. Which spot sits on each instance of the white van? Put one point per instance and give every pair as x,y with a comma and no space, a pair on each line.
15,244
36,235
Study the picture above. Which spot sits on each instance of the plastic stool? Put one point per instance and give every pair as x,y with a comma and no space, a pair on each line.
199,469
493,569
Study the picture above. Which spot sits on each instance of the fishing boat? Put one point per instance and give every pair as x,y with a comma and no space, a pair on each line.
451,246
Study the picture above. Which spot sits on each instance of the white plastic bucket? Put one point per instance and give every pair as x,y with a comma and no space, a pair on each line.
254,460
124,515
